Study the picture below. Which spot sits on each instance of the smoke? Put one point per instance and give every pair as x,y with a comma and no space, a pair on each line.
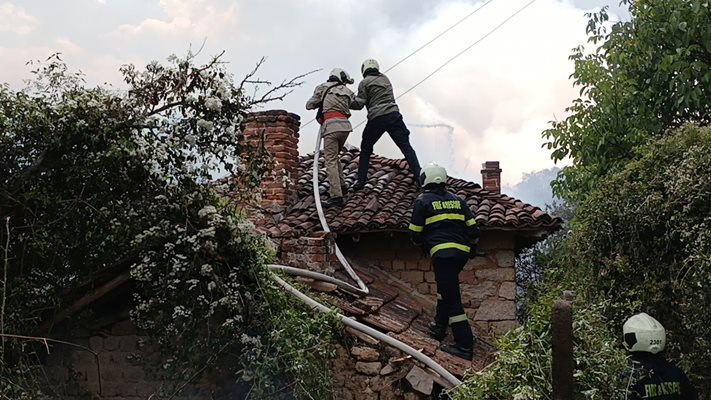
450,135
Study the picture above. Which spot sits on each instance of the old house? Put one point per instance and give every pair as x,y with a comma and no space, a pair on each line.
371,231
372,226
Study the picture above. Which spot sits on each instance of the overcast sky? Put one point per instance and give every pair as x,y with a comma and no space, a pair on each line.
490,103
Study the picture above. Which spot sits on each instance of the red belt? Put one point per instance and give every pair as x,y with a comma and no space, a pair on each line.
334,114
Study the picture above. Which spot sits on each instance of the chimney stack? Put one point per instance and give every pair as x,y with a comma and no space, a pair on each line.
281,139
491,176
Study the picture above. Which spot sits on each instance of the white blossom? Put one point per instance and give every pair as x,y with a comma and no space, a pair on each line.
213,104
207,125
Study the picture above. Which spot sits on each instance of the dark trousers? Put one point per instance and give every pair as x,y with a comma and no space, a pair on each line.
449,303
393,124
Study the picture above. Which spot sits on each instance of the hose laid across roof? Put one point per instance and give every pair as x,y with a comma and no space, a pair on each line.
361,289
446,375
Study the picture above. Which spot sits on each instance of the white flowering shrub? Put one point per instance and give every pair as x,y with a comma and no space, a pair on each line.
95,181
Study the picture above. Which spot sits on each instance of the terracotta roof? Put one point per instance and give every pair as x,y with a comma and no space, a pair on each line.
386,202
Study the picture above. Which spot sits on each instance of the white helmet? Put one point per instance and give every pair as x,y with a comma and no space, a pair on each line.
433,173
340,75
369,64
644,333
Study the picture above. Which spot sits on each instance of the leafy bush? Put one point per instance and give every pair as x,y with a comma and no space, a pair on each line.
95,180
522,370
646,233
640,242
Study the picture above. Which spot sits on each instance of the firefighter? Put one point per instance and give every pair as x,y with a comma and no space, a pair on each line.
444,226
334,101
375,92
649,375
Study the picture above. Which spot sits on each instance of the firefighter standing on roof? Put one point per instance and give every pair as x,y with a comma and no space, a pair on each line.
334,99
375,92
444,226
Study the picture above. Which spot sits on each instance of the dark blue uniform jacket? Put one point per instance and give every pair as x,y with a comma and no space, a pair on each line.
442,222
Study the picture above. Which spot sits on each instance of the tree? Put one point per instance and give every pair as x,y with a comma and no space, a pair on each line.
643,243
648,76
94,180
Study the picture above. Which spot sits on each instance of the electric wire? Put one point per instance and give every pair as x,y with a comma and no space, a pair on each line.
438,36
459,54
426,44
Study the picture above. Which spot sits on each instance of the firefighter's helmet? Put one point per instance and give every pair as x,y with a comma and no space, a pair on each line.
369,64
644,333
433,173
340,75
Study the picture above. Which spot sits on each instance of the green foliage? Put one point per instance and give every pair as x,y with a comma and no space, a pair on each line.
96,182
647,75
523,366
641,242
646,234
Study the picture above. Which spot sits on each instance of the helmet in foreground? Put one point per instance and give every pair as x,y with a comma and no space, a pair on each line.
369,64
340,75
644,333
433,174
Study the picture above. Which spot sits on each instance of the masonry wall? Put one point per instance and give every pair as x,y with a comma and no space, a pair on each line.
315,252
114,372
363,369
487,283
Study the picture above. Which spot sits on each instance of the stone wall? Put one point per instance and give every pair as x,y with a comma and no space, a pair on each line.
367,370
487,283
363,369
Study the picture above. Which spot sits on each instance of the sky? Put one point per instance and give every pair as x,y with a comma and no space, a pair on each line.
490,103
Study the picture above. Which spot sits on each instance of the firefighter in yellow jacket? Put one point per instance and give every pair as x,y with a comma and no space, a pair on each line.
444,226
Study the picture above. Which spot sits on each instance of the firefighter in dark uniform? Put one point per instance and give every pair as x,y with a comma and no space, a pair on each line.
444,226
649,375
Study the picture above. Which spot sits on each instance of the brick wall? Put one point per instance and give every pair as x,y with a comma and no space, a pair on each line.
113,373
487,283
316,253
280,132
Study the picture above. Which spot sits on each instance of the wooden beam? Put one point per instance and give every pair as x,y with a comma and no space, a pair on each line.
86,300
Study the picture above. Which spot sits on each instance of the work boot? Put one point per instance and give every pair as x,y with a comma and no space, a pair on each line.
436,330
458,351
333,201
358,186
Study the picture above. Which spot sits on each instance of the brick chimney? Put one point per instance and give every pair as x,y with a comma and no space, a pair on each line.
491,176
280,130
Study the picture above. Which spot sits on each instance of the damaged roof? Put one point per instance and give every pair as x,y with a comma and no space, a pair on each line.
386,202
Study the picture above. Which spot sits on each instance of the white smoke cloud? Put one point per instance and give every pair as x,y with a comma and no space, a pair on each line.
491,103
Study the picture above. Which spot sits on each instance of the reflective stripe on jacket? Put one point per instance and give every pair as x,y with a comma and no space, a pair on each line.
442,220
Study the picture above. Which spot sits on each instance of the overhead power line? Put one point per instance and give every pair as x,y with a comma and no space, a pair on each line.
467,48
460,53
427,44
438,36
